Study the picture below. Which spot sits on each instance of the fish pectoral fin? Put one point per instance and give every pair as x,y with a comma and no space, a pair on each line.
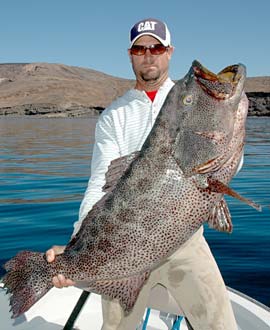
219,187
116,169
211,165
126,289
220,217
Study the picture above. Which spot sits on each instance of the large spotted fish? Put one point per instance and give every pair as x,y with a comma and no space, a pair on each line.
155,198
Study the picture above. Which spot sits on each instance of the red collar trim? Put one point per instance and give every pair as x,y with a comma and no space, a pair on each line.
151,95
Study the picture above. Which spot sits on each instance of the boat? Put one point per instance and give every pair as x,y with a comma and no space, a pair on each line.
72,308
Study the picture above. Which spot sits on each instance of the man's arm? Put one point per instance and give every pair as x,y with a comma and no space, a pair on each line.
105,150
244,104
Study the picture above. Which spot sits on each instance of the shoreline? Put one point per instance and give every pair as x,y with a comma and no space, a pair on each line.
50,111
53,111
259,106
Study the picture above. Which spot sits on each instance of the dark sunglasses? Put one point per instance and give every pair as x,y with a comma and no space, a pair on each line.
139,50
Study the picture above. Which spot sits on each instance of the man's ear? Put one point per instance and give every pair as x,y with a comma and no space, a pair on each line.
129,54
170,51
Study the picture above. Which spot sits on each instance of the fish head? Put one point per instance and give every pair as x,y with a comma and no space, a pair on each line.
206,112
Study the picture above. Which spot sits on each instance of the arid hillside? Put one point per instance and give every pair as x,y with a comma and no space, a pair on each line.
57,90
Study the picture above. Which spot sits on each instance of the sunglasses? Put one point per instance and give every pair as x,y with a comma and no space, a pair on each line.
139,50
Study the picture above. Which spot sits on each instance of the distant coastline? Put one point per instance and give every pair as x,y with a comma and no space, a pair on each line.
50,111
60,91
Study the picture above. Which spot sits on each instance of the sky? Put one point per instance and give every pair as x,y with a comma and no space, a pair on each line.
95,34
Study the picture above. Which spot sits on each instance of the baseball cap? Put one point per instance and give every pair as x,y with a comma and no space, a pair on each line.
152,27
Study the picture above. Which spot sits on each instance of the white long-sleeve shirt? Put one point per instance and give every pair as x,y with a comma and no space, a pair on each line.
121,129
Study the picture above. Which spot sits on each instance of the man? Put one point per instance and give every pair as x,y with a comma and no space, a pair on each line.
191,274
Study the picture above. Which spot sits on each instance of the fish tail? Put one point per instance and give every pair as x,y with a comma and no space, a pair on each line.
27,280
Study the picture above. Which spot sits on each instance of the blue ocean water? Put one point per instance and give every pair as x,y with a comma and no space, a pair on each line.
45,166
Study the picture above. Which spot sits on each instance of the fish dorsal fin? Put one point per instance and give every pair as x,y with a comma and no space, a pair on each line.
220,217
220,187
126,290
116,169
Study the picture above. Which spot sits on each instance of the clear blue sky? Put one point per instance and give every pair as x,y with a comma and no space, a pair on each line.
94,34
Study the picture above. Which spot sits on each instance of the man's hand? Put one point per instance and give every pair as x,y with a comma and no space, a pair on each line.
59,281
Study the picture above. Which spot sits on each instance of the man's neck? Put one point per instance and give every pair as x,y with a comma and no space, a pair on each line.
151,85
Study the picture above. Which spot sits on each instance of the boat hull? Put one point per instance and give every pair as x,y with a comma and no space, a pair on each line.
53,310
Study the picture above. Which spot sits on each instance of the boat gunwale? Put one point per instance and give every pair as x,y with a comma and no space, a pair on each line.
248,298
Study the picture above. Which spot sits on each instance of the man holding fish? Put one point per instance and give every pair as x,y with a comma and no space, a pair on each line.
190,273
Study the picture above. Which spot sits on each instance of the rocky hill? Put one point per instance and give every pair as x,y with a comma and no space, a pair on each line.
57,90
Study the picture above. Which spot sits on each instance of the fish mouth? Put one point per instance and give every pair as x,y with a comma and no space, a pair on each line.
222,85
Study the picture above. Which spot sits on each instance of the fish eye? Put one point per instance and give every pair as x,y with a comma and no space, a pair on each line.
188,99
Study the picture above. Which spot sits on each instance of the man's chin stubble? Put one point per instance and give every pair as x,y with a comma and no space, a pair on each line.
148,78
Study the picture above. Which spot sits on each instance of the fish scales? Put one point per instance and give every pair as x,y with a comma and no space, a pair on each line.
156,198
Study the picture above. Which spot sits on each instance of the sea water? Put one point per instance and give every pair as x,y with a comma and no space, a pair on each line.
45,167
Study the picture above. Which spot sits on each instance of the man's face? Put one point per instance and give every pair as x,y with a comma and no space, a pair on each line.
150,67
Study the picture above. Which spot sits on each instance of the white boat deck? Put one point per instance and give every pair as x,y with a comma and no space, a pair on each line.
53,310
